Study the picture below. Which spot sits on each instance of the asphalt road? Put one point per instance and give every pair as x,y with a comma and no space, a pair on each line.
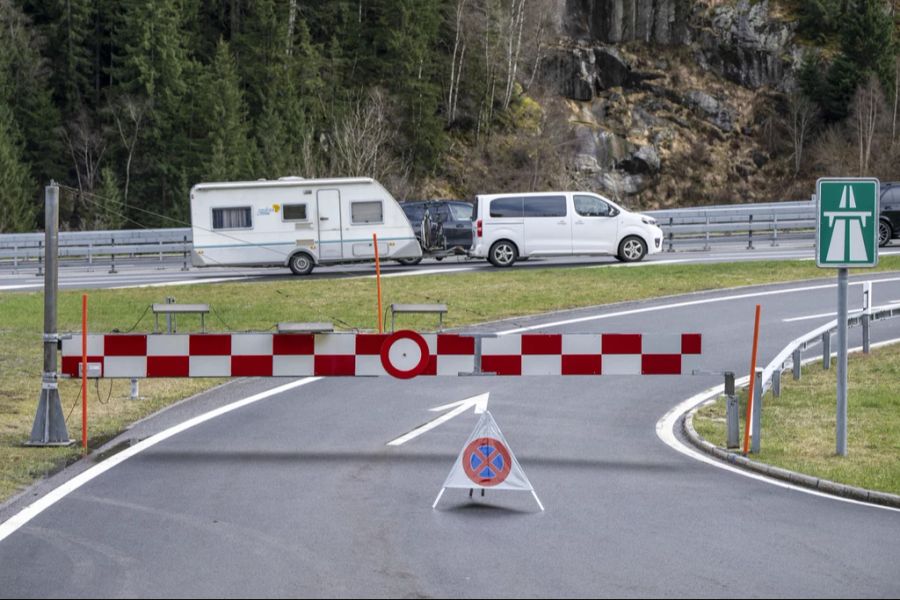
149,275
298,494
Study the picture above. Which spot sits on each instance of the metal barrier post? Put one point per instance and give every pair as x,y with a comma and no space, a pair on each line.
775,233
776,383
706,245
185,266
797,361
732,413
49,423
171,324
135,390
112,268
671,235
90,256
750,228
16,258
757,412
160,255
867,315
40,259
826,350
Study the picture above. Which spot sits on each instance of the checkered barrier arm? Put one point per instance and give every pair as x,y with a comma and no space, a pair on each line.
403,354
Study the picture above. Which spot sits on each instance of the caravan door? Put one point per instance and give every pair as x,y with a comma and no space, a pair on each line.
329,209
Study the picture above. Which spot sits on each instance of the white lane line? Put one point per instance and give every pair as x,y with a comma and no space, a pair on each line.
33,510
181,282
819,316
21,287
665,431
637,311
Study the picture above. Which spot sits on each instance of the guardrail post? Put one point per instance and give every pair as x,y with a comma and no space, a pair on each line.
706,245
797,361
16,258
732,413
775,233
826,350
185,266
776,383
671,234
750,231
40,258
757,412
112,268
865,330
90,256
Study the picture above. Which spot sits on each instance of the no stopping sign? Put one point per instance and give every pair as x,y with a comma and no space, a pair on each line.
405,354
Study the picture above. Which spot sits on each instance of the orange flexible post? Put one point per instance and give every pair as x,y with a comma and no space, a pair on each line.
750,389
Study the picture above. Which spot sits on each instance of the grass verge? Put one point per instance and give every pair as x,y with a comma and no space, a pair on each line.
798,428
472,298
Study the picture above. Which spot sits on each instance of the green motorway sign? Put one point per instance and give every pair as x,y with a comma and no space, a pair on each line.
847,222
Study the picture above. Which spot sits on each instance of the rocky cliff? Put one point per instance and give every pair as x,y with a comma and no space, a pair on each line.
671,101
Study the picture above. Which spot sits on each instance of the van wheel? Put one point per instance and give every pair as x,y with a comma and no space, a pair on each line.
884,233
503,254
301,264
409,262
632,249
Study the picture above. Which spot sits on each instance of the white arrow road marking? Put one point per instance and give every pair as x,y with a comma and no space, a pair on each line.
480,403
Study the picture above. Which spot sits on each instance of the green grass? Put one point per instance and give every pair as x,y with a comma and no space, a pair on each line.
798,428
472,298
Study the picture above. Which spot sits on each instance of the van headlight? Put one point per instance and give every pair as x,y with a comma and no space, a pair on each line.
648,220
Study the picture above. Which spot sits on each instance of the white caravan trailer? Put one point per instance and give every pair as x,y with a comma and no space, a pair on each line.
297,223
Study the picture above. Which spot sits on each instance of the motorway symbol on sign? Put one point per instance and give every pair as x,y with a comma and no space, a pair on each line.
487,462
847,222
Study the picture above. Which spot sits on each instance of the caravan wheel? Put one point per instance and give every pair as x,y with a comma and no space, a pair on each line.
301,264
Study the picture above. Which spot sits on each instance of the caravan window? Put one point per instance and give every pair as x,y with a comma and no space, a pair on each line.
232,218
362,213
294,212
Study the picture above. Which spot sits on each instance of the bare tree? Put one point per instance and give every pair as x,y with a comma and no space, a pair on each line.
515,22
802,115
129,114
896,100
362,140
86,147
865,110
456,62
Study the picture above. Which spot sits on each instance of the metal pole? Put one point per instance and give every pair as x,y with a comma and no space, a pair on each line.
750,228
867,315
797,361
135,390
775,234
671,234
112,269
842,363
185,266
49,423
40,258
826,350
732,413
757,412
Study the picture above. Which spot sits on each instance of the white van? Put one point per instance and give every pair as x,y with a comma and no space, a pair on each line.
298,223
514,226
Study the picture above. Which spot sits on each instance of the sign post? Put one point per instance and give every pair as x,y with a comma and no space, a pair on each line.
846,236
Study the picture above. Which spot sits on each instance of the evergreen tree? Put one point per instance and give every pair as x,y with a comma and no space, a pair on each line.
108,204
231,153
17,206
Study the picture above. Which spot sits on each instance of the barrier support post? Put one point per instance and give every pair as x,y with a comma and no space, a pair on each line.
378,281
84,374
757,411
732,413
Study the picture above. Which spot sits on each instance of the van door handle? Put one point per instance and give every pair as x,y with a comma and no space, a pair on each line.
562,222
323,218
579,222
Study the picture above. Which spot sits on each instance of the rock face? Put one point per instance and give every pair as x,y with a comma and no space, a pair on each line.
744,45
656,85
617,21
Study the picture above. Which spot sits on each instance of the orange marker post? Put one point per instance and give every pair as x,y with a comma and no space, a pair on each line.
378,281
84,368
752,383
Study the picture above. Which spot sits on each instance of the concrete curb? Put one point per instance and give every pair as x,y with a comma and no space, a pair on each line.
822,485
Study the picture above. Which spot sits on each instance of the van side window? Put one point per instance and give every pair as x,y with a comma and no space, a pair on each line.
590,206
362,213
231,218
506,208
545,206
294,212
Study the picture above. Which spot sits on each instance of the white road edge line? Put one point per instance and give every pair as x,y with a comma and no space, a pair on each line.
28,513
637,311
665,431
819,316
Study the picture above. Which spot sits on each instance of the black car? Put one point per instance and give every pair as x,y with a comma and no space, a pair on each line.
889,223
442,227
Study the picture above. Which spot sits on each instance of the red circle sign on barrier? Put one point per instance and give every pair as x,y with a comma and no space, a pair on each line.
486,462
402,349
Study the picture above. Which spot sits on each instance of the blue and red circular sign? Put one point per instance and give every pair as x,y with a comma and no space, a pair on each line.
486,462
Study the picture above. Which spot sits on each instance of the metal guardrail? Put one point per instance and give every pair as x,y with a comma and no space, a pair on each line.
769,377
684,228
741,223
90,248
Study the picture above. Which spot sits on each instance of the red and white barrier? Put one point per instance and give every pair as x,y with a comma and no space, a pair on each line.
404,354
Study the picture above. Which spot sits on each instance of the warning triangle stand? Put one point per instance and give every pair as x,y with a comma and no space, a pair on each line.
487,463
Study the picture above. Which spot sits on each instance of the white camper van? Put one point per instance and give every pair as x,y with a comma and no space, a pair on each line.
297,223
510,227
